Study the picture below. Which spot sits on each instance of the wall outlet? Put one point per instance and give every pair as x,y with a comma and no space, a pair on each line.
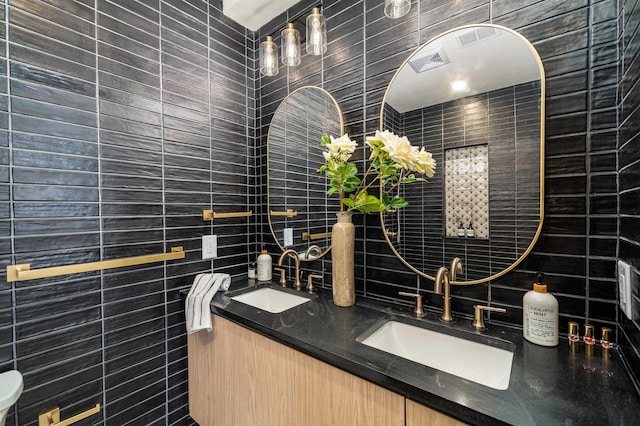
288,237
209,246
624,288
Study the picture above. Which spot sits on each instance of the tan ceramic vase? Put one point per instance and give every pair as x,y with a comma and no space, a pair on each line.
343,236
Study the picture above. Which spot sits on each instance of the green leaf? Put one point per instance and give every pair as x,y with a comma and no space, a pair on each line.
350,184
348,202
365,203
398,203
325,140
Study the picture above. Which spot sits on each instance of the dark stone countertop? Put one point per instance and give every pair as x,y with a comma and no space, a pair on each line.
548,386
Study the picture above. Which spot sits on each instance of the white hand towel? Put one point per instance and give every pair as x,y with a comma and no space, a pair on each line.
197,310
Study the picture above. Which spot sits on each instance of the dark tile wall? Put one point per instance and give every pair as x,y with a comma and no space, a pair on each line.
120,122
577,41
629,172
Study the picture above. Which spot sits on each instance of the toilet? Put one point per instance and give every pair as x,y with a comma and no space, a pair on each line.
10,390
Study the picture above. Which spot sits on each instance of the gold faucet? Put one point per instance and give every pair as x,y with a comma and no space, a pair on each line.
294,254
314,248
456,268
442,279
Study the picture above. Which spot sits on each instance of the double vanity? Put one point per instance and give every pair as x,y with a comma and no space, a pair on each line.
278,356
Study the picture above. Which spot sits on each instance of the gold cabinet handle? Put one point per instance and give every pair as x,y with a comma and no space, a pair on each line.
52,417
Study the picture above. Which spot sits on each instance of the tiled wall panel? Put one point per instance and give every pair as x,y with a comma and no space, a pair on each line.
119,123
577,43
629,173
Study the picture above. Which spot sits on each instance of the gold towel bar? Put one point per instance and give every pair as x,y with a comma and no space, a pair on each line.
23,271
52,417
288,213
307,236
210,214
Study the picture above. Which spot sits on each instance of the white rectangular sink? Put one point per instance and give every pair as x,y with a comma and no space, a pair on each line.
270,300
488,365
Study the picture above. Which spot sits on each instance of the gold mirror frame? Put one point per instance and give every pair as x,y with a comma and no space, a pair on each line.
269,212
542,153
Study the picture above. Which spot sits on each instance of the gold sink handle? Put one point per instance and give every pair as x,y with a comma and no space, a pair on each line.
478,316
418,311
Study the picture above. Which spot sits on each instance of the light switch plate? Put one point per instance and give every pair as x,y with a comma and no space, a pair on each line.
288,237
624,288
209,246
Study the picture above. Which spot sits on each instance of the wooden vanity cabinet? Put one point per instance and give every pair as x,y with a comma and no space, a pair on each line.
419,415
239,378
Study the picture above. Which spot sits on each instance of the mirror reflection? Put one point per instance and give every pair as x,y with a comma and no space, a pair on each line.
300,213
472,97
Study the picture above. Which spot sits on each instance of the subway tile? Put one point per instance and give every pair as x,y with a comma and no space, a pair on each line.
62,81
53,128
603,204
135,14
52,95
603,183
63,13
52,112
140,413
129,32
57,36
53,63
77,377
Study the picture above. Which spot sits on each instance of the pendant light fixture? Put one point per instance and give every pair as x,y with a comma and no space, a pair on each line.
316,42
269,57
290,46
316,33
396,8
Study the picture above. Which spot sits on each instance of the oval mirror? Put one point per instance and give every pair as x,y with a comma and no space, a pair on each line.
297,199
471,96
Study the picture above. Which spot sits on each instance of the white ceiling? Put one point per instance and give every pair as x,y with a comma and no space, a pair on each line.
494,63
253,14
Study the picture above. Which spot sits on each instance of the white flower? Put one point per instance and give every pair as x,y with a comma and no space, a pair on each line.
340,150
393,160
400,150
425,163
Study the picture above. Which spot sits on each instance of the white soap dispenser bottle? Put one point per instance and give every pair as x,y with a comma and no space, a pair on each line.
540,315
264,266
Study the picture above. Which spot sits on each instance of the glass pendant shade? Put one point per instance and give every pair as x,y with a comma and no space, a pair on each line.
396,8
268,57
316,33
291,46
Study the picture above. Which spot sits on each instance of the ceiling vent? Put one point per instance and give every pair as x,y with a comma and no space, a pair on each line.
429,59
476,36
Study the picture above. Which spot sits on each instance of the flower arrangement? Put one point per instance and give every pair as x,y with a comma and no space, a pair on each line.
393,162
